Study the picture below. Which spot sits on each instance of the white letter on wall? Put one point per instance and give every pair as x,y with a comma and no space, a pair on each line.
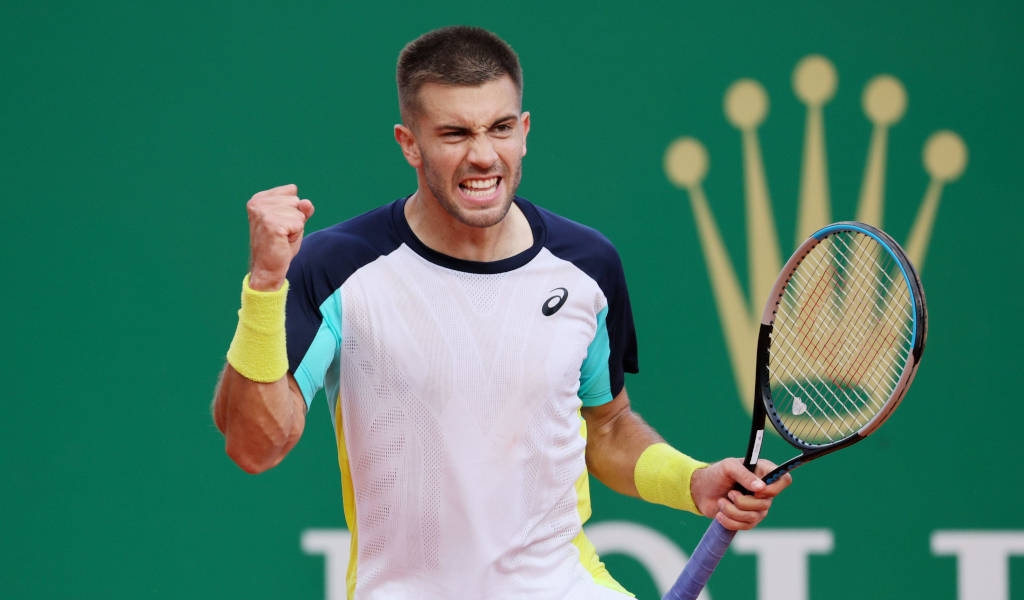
982,570
782,559
334,545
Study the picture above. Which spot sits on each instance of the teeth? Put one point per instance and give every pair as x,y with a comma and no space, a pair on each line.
480,184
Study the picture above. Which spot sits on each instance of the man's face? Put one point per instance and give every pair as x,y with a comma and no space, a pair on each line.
468,143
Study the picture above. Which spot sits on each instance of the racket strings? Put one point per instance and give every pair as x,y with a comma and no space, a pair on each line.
857,314
843,329
833,277
828,350
895,288
817,391
843,407
816,349
813,398
884,333
853,374
886,327
846,406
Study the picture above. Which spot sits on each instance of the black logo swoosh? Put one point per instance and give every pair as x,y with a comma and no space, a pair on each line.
552,304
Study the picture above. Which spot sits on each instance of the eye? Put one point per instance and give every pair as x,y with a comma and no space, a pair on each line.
504,128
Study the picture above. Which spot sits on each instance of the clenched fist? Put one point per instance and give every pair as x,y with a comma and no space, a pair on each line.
277,218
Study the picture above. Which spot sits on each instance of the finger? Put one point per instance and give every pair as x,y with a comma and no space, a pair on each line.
284,207
266,206
280,220
306,207
740,474
282,190
733,524
749,503
765,467
281,201
736,513
777,486
295,225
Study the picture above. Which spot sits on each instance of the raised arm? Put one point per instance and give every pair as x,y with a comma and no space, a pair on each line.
257,404
627,455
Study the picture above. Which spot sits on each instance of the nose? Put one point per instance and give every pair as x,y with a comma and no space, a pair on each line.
482,154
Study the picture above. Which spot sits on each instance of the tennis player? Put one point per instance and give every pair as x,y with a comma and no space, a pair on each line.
472,347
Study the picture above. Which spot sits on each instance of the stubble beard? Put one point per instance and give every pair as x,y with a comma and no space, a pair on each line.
474,218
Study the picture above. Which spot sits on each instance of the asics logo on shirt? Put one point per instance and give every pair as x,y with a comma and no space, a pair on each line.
552,304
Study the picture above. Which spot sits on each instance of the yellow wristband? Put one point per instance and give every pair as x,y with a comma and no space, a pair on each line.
662,475
258,350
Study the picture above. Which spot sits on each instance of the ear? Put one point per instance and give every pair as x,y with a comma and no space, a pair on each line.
407,141
526,129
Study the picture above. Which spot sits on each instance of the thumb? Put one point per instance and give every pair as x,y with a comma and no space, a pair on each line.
742,476
306,207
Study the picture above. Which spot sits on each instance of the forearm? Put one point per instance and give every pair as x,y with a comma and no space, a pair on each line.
261,422
613,447
627,455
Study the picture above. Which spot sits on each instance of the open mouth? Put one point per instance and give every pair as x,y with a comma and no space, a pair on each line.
480,189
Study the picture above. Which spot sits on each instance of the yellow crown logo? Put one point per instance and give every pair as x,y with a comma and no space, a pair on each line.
746,106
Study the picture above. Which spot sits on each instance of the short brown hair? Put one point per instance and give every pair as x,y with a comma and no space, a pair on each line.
457,55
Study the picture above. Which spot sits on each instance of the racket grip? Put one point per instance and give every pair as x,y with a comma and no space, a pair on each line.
702,563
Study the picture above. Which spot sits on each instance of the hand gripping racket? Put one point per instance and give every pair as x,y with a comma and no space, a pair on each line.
841,338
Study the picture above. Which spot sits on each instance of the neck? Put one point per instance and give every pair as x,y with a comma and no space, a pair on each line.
440,231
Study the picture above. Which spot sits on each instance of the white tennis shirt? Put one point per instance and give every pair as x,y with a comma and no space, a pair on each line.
455,388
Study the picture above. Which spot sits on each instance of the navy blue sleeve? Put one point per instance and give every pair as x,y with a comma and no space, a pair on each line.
592,253
325,260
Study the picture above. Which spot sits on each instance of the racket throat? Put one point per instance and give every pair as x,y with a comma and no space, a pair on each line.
784,468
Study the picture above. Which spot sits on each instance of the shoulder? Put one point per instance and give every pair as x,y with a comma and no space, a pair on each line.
584,246
330,256
565,234
372,231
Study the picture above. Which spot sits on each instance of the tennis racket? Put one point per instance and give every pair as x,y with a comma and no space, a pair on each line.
840,341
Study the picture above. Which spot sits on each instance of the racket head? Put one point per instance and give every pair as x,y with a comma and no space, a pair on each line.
842,335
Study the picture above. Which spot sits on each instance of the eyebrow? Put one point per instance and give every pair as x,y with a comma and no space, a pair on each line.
462,128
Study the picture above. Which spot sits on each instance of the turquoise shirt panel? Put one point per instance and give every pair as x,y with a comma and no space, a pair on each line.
595,381
322,353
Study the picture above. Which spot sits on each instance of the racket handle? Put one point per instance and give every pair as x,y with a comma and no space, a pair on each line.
702,563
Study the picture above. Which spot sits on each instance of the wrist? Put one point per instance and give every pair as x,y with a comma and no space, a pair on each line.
261,280
663,474
258,351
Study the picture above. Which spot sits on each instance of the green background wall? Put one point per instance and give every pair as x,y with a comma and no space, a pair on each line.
131,135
